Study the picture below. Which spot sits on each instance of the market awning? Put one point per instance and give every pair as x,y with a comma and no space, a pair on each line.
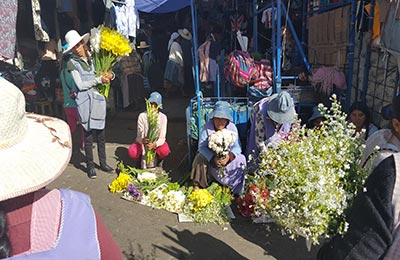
161,6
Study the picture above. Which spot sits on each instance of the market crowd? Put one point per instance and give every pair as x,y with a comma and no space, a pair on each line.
158,66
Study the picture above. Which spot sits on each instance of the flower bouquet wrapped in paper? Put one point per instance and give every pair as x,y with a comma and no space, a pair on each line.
220,142
107,46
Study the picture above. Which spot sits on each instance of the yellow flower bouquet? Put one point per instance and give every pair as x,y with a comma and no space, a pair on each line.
107,46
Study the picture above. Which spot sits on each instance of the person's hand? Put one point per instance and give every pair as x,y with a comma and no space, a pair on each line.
105,79
151,146
221,161
145,140
109,75
224,160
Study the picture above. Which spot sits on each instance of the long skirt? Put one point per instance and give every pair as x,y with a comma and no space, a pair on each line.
233,174
174,73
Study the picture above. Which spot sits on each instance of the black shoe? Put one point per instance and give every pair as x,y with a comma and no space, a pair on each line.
106,168
91,173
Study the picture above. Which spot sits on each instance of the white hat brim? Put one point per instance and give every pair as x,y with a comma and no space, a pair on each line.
187,37
84,37
38,159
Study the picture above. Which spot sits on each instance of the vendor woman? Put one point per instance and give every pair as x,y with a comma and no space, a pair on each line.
206,165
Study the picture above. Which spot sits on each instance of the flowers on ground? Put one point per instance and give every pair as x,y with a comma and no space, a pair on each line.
209,205
107,46
313,177
157,191
199,199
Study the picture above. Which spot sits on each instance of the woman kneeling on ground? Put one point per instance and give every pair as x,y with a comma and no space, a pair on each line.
161,147
206,164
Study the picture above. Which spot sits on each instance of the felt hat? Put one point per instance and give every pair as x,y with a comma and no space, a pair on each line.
143,45
221,110
316,114
73,38
34,149
185,34
281,108
156,97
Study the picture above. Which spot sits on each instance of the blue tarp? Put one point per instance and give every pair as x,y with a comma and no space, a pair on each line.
161,6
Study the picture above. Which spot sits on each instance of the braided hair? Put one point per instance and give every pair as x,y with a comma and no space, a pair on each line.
5,245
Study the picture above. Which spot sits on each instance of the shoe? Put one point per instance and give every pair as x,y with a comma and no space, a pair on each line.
91,173
106,168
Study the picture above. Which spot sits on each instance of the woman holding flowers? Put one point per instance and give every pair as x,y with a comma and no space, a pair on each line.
224,165
90,103
144,142
271,120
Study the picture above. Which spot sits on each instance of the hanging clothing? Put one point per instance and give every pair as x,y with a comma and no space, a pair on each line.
266,18
203,53
125,18
8,25
40,34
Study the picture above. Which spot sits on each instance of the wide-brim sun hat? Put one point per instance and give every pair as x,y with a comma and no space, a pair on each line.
73,38
143,45
281,108
184,33
156,97
34,149
221,110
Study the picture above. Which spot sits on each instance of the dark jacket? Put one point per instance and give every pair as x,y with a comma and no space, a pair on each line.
370,219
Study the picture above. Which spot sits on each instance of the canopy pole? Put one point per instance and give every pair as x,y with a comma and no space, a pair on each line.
196,66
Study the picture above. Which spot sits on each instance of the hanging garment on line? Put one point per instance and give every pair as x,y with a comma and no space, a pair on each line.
125,18
8,21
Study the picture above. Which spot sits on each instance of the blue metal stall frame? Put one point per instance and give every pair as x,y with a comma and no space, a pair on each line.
314,10
277,40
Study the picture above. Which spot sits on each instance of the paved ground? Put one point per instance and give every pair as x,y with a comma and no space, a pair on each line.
145,233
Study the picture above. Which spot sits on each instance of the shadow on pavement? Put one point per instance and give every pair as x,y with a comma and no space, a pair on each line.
269,237
200,246
138,254
121,154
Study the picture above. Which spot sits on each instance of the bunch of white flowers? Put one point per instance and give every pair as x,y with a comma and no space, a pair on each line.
147,177
221,141
95,37
173,201
313,177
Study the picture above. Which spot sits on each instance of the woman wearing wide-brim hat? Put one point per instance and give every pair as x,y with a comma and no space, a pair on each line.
174,75
91,104
35,222
206,164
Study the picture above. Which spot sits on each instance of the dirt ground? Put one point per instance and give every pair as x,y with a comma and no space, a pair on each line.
145,233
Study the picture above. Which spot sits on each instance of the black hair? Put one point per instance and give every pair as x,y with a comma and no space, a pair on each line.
5,245
395,108
363,108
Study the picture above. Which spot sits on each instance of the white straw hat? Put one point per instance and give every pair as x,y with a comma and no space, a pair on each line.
185,34
73,38
34,149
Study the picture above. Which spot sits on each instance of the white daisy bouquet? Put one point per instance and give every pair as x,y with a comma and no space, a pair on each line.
107,46
313,176
220,142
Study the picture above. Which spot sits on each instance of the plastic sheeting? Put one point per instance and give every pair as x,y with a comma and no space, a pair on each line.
161,6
